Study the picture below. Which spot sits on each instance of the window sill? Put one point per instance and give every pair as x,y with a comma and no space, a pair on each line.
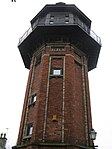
31,104
27,137
56,76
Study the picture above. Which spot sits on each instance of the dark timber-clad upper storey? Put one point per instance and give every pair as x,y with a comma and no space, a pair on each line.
61,22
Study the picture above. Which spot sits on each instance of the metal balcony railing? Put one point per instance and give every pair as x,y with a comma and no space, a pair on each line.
90,32
25,35
95,37
77,22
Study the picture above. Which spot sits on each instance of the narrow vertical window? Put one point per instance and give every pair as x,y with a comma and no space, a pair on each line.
32,99
38,60
67,19
29,130
51,20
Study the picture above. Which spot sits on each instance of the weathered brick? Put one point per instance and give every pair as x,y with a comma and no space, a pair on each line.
55,90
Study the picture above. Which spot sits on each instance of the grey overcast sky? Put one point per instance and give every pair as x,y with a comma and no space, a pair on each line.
14,21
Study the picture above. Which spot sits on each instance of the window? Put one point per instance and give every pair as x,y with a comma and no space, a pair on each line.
29,130
32,100
52,18
51,22
56,72
38,60
67,19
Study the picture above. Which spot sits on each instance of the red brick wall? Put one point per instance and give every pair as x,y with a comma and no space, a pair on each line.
40,104
54,128
52,94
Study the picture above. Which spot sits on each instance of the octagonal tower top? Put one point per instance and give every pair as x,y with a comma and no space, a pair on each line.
65,21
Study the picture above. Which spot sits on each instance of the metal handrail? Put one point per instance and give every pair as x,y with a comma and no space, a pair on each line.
25,35
90,32
78,22
95,37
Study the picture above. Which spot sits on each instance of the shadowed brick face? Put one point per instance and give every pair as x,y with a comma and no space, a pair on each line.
60,113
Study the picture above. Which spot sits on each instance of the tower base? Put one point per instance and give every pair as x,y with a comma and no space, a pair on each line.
52,145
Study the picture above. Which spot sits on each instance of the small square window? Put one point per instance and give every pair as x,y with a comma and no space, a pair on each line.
51,22
57,72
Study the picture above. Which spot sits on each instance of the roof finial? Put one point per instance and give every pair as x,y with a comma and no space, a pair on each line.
60,3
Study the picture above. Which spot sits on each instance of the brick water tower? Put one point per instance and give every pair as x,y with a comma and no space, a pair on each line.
58,49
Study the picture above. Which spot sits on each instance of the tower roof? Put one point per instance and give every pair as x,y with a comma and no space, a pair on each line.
62,7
